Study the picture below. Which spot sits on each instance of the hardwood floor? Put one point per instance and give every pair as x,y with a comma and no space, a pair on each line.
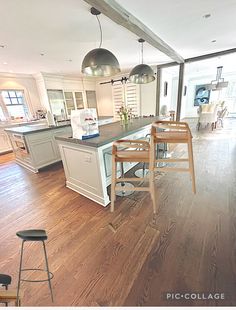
128,258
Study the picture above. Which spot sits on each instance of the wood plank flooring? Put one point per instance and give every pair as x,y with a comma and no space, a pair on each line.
190,246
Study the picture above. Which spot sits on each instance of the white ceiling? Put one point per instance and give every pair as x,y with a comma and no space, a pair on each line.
65,30
180,23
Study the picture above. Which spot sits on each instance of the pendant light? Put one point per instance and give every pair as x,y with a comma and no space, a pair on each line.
219,82
141,74
100,61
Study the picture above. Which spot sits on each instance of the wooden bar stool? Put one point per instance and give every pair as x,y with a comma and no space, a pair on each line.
8,296
174,132
135,151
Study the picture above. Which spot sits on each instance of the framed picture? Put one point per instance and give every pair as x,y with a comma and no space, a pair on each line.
165,88
202,95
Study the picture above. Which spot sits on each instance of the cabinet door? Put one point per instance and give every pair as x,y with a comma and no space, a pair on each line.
91,99
43,152
56,101
70,103
79,100
5,144
59,132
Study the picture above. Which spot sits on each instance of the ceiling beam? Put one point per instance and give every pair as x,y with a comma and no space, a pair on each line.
119,15
211,55
167,65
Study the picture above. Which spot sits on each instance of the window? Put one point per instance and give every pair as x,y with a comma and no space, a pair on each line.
15,103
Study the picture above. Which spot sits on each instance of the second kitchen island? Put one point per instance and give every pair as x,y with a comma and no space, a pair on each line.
87,163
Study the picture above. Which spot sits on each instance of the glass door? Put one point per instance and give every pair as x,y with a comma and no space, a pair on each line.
70,103
91,99
56,101
79,100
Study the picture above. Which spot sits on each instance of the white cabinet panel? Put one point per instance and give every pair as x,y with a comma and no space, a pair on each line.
5,144
43,152
59,132
38,149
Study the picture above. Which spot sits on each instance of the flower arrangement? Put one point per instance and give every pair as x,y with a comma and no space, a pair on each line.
125,113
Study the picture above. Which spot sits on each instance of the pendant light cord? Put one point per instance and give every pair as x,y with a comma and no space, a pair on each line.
100,27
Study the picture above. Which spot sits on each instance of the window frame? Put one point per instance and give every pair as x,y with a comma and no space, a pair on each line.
24,105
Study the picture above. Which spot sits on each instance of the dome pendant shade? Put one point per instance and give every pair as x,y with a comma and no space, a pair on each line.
100,62
141,74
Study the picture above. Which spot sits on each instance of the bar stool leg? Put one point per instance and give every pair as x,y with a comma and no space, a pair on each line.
152,176
152,191
113,183
19,278
191,165
49,279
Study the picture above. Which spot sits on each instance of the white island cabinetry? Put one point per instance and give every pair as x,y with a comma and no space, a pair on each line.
35,148
5,144
87,163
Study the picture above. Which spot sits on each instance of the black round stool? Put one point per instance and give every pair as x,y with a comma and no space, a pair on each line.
34,235
5,280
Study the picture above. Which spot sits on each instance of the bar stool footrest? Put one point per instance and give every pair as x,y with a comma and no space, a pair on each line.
37,269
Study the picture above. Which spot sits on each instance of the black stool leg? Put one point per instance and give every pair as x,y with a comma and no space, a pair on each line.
19,279
6,288
49,279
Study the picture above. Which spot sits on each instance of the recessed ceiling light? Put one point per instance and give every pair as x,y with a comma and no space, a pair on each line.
213,41
41,54
206,15
5,63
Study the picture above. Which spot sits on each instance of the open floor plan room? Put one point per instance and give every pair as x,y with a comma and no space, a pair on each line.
130,257
117,153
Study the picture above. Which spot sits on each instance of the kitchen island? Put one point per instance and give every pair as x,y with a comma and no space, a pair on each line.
87,163
5,144
35,146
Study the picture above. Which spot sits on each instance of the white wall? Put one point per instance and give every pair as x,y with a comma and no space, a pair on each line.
27,84
105,102
43,96
104,98
68,83
148,98
47,81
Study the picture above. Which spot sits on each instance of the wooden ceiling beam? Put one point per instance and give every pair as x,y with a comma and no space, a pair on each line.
211,55
119,15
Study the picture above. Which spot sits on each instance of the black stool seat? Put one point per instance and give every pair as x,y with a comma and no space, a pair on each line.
5,279
32,235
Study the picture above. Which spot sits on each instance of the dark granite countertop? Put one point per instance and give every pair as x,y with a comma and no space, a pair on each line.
112,132
24,130
28,129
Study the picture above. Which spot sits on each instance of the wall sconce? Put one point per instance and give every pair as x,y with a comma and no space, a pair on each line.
165,88
185,90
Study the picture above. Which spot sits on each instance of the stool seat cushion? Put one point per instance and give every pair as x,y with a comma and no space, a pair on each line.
133,155
172,135
5,279
32,235
7,295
